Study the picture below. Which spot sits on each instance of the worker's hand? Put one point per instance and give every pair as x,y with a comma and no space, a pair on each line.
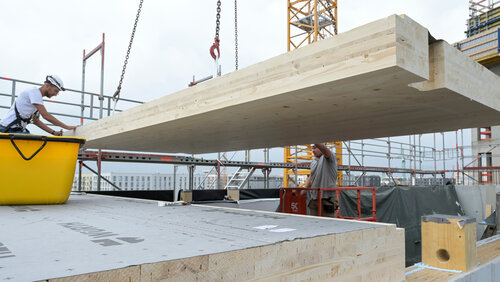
72,127
303,192
58,133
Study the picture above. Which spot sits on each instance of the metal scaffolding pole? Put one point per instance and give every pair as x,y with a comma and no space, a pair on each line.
218,172
99,158
99,47
191,177
456,148
462,156
444,157
13,96
80,165
434,155
266,171
175,184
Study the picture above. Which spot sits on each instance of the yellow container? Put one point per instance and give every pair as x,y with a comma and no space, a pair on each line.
36,169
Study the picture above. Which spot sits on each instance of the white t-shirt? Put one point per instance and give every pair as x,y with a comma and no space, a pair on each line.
25,105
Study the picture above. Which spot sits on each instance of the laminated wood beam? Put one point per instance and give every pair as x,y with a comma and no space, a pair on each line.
380,79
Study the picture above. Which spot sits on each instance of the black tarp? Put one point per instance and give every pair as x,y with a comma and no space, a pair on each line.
209,195
164,195
247,194
198,195
404,206
158,195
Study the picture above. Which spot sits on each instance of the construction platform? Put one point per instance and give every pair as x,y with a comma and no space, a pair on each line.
385,78
95,237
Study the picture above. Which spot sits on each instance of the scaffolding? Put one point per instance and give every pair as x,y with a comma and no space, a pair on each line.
483,45
483,15
401,163
483,32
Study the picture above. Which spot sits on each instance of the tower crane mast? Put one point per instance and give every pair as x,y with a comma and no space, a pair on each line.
308,21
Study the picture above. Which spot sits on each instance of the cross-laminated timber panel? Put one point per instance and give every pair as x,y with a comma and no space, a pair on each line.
488,258
102,238
380,79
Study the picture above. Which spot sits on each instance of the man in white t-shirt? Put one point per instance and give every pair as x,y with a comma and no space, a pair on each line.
324,170
28,107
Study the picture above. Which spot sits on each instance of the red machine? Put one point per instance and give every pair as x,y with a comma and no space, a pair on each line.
291,201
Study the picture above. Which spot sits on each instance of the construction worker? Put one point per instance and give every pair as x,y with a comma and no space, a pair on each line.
29,106
323,175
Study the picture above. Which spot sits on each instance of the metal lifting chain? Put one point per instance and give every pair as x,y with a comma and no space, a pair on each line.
116,96
215,46
236,32
329,9
217,20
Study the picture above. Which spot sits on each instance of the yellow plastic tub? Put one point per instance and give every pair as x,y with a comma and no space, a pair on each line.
36,169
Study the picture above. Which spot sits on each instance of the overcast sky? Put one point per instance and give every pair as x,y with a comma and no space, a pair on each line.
173,37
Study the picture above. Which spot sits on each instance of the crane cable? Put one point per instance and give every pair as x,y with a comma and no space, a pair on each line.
116,96
236,33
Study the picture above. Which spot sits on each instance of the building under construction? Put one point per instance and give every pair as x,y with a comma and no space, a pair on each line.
409,209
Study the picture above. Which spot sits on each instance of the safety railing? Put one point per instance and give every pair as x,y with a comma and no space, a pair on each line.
293,200
86,105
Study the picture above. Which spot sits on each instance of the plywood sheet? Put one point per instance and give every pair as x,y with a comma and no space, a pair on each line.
116,239
380,79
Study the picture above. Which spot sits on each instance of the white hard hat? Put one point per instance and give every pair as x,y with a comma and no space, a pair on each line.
56,81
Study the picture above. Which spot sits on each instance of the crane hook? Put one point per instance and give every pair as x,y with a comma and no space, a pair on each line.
214,47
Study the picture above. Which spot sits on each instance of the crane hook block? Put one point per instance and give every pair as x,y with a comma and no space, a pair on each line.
214,47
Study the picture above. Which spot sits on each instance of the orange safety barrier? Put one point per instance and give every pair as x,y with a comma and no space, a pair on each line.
292,201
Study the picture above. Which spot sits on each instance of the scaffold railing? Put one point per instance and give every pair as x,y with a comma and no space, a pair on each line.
86,105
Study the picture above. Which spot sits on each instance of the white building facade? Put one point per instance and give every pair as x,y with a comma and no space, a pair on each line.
159,181
139,181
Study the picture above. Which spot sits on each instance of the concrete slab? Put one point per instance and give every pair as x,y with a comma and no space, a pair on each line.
473,199
107,238
381,79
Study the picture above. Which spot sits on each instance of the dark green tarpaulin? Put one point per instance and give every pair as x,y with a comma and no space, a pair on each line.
404,206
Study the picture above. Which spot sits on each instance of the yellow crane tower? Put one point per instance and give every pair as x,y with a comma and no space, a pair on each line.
308,21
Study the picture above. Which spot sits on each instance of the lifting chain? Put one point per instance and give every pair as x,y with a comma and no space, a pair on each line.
236,33
329,9
116,96
215,46
217,20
